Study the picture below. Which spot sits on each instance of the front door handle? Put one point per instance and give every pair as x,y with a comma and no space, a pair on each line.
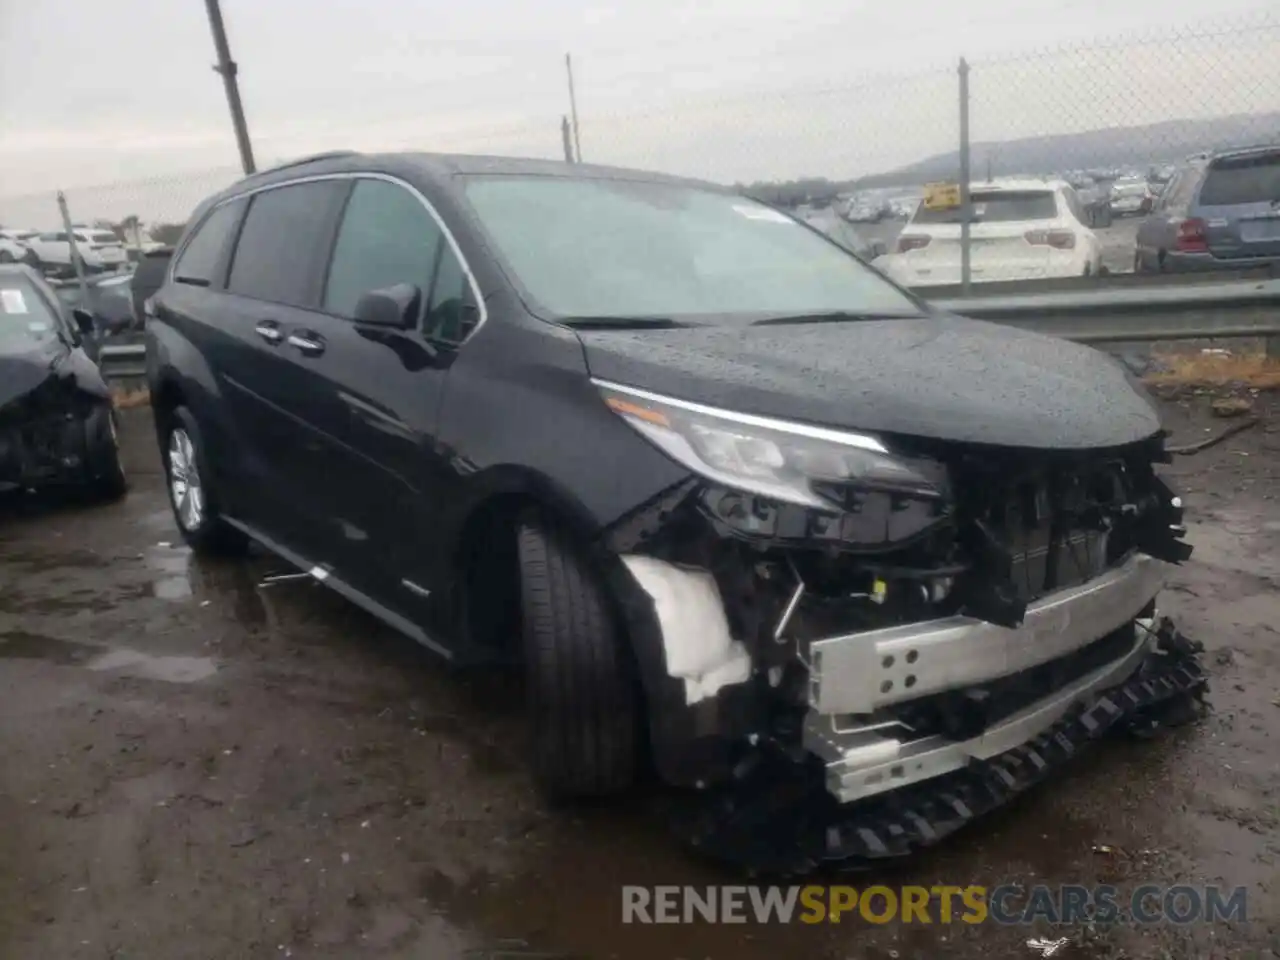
269,331
307,342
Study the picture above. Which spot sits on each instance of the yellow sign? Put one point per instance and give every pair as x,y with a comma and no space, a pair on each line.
941,196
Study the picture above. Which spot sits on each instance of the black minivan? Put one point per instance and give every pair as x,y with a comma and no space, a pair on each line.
735,500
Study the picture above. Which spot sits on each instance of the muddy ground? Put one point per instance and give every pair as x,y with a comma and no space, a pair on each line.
192,766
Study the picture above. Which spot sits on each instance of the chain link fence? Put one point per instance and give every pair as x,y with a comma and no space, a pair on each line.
1113,119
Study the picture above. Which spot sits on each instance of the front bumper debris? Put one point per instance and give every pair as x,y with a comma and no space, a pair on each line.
780,817
871,669
1072,628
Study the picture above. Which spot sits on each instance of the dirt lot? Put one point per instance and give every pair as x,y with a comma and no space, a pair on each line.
193,766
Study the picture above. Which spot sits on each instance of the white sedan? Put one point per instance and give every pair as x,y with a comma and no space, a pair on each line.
1020,230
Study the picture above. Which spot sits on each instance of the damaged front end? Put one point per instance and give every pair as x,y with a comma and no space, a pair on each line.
45,398
852,651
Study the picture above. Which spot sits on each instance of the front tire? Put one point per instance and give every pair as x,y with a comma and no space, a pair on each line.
196,508
105,478
584,704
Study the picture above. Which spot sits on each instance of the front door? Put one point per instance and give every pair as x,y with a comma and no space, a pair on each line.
378,392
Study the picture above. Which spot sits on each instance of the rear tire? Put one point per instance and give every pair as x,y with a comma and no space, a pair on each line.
196,507
584,705
105,478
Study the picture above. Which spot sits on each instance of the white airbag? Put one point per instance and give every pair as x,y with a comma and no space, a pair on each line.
695,632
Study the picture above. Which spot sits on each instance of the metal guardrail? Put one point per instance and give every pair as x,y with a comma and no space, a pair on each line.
1181,312
123,361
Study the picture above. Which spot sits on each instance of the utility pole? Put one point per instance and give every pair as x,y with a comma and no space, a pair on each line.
75,250
227,68
966,207
567,137
573,108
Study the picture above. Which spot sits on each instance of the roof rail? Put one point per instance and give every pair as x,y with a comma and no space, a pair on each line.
329,155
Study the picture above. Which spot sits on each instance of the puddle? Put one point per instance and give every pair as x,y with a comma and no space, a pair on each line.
174,566
24,645
134,663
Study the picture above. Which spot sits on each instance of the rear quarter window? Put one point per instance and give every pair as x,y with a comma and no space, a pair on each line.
198,262
997,206
1254,179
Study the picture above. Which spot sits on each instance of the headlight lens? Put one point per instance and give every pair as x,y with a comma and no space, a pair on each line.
772,458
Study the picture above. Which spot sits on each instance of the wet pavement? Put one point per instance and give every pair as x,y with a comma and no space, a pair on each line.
193,766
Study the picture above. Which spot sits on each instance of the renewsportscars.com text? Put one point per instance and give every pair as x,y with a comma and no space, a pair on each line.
1008,904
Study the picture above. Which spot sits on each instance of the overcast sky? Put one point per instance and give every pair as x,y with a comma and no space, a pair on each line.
96,92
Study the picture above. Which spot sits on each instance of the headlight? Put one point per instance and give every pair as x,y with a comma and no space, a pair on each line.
791,462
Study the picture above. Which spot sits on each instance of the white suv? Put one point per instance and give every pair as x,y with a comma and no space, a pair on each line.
14,245
1021,230
99,249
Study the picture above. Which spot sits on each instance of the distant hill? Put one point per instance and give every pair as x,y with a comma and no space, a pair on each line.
1113,147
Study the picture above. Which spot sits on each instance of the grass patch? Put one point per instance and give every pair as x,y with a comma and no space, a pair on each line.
127,399
1254,370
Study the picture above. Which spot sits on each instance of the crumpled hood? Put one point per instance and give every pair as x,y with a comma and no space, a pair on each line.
21,371
942,377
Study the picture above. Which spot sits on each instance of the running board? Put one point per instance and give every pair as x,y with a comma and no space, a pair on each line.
322,574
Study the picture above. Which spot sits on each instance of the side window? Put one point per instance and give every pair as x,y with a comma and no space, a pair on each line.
451,312
203,252
387,237
276,256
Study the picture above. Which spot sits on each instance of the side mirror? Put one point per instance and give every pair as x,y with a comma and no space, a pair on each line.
84,321
878,248
395,307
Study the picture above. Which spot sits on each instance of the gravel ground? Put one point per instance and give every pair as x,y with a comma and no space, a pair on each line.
193,766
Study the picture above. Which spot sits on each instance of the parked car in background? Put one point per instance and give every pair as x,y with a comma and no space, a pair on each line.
1095,200
865,210
1221,212
1131,196
147,278
901,208
672,451
109,301
99,250
844,233
15,246
1021,230
57,422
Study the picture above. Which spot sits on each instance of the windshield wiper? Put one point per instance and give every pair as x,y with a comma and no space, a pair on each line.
622,323
834,316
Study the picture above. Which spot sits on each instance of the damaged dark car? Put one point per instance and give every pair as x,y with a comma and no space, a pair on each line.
847,570
57,420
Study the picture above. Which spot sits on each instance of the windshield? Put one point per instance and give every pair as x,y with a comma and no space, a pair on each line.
617,249
26,320
996,206
1253,179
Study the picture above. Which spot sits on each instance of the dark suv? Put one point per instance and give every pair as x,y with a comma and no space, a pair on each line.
738,502
1220,212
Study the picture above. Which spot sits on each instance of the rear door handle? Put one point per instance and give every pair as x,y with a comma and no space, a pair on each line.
307,342
269,331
